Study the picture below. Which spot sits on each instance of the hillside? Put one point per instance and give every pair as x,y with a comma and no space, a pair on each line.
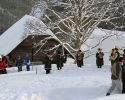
13,10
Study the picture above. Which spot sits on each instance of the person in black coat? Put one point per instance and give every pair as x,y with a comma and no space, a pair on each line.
123,78
59,60
79,58
48,62
99,58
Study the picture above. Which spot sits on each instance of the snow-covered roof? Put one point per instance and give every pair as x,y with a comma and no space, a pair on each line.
11,38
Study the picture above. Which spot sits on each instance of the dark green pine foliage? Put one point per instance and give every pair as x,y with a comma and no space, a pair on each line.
13,10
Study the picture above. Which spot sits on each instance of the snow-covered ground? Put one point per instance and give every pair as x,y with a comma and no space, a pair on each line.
70,83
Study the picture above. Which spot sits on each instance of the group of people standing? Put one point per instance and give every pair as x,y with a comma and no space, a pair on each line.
26,61
117,71
60,59
99,58
3,64
117,67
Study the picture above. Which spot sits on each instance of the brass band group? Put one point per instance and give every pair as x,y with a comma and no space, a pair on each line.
117,71
117,65
117,68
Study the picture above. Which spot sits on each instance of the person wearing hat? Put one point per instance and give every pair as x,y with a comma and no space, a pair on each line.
99,58
112,56
59,60
2,66
79,58
48,61
115,56
116,71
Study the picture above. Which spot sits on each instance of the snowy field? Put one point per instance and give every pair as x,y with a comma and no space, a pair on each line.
70,83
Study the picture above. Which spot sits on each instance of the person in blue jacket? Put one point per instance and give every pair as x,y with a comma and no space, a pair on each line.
19,63
27,62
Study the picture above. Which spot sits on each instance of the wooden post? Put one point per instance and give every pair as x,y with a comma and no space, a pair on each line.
36,70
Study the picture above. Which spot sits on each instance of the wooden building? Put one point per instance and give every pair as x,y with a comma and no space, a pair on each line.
15,42
27,47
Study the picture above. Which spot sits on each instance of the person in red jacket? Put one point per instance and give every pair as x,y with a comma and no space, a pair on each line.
3,66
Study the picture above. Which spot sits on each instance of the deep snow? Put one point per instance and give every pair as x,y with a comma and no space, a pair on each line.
70,83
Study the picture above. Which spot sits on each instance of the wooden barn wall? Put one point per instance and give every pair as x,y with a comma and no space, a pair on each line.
27,47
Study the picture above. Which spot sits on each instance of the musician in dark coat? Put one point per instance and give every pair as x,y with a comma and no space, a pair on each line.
48,62
79,58
59,60
99,58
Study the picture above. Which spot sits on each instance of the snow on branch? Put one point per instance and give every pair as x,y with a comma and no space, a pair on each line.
73,21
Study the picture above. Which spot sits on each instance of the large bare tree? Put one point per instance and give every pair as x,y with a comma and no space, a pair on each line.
73,21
